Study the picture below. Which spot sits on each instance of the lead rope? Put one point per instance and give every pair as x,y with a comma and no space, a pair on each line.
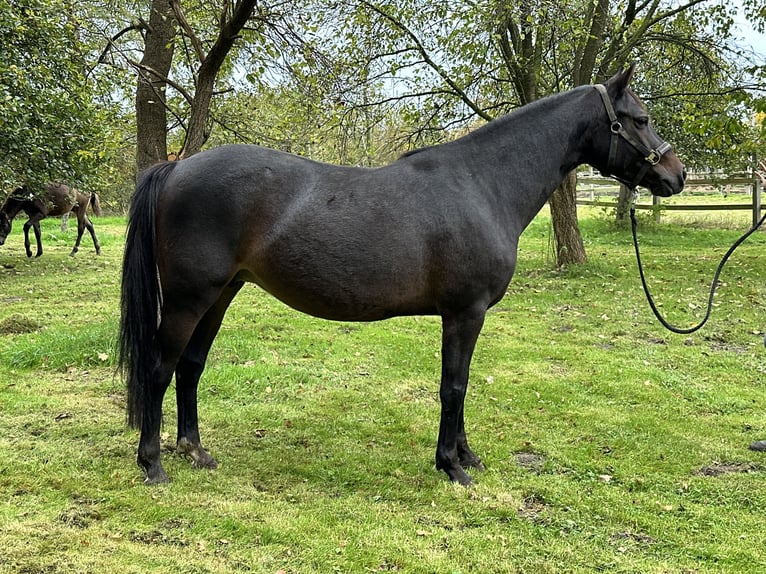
713,286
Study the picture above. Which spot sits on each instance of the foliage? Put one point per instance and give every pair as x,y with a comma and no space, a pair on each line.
610,444
283,118
448,65
709,110
356,82
50,127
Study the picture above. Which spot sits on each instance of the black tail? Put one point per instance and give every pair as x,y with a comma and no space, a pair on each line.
95,204
140,304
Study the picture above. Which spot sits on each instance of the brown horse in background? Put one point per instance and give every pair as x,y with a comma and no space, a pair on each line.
57,199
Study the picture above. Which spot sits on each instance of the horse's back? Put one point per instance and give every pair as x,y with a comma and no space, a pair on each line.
59,199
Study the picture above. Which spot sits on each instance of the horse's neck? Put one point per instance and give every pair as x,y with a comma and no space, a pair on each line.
12,207
530,152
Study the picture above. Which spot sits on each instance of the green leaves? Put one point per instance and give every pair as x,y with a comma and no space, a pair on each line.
49,127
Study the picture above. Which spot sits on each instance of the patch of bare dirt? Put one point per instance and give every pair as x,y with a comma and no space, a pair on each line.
721,468
532,508
530,461
18,324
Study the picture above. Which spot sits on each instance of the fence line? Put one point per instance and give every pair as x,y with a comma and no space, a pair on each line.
756,206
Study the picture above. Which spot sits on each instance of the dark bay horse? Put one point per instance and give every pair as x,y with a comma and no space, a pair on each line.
435,233
55,199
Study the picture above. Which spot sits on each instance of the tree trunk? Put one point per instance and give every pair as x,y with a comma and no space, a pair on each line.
569,245
151,111
198,130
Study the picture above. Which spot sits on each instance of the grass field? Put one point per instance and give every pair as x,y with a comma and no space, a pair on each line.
611,445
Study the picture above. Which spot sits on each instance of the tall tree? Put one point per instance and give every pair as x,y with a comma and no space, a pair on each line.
153,71
169,25
232,20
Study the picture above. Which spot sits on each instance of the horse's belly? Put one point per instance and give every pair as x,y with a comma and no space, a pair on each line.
344,291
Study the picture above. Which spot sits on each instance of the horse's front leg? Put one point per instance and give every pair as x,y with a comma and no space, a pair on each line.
459,335
27,245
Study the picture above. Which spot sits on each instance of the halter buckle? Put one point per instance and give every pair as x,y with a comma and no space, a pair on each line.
616,127
654,157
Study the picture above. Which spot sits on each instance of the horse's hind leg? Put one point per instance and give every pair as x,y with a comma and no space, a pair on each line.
174,333
80,230
92,231
151,421
177,328
188,373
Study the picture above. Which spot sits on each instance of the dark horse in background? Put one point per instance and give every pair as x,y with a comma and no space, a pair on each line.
55,199
433,233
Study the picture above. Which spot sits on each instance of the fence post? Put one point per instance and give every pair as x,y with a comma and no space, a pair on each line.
756,200
656,208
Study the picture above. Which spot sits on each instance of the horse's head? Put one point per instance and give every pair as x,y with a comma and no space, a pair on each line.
631,151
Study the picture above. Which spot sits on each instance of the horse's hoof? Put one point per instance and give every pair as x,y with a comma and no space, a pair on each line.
210,463
457,474
473,462
462,478
477,465
153,472
152,481
159,478
759,446
200,457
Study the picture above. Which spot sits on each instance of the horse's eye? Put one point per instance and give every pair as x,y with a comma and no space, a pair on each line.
642,122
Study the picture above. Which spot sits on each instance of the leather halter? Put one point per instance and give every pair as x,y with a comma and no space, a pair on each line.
651,156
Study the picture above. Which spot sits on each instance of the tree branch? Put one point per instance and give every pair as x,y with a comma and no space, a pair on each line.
586,61
428,60
184,23
147,71
619,53
111,42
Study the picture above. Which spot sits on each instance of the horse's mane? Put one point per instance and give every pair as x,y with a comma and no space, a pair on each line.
418,150
499,121
18,195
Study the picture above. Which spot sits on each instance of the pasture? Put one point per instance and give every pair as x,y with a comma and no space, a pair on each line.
610,444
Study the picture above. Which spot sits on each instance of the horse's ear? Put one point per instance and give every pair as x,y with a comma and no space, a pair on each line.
621,80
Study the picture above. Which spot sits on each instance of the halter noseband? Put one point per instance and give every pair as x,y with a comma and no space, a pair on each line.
651,156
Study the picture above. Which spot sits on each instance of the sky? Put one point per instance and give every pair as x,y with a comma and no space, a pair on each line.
750,38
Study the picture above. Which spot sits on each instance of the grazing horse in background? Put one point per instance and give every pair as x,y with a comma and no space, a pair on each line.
433,233
56,199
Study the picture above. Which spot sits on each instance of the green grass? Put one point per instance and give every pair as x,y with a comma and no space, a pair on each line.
611,445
